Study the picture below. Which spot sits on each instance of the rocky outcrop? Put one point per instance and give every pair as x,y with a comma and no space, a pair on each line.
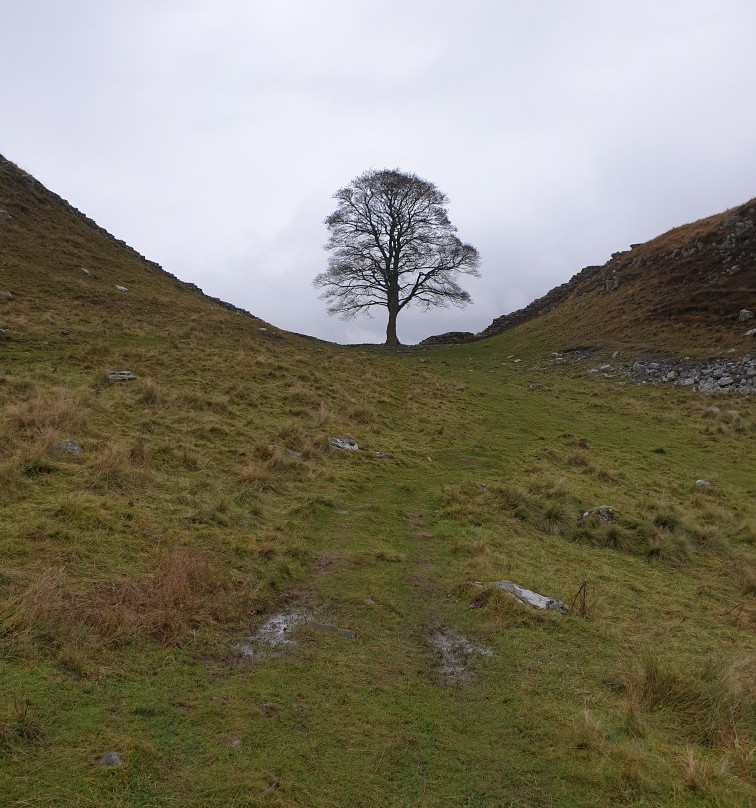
449,338
703,272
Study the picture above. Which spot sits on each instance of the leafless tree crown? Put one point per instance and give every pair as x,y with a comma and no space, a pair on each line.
392,244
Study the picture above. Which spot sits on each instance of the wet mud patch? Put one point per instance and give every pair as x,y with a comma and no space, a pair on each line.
275,634
456,654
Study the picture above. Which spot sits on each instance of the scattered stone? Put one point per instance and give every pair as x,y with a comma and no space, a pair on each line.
744,315
263,330
653,366
703,483
68,446
235,743
670,376
274,633
725,381
456,650
5,215
686,382
6,293
344,443
423,359
531,598
87,272
616,355
751,333
515,361
327,628
112,759
602,514
379,454
120,288
121,376
605,368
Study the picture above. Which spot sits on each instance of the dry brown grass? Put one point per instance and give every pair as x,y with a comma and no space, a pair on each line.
171,602
46,412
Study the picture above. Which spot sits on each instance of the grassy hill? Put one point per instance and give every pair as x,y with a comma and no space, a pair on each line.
206,499
680,292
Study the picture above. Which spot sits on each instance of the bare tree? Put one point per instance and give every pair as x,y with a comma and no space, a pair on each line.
392,244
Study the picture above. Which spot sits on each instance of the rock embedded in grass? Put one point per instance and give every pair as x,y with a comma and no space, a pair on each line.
120,288
111,759
601,514
327,628
703,483
6,293
530,598
68,447
121,376
346,444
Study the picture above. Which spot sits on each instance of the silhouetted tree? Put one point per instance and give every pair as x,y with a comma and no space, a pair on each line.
392,244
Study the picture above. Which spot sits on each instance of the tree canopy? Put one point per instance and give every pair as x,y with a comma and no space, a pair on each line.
391,244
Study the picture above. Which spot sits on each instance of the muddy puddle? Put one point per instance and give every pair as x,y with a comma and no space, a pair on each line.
456,653
275,633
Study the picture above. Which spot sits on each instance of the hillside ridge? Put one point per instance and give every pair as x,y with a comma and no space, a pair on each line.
15,175
698,275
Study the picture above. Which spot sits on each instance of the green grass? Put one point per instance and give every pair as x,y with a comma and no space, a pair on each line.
131,573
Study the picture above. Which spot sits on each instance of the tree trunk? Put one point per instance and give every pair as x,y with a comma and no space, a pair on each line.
391,339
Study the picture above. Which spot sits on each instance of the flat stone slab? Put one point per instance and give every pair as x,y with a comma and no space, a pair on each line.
531,598
121,376
120,288
327,628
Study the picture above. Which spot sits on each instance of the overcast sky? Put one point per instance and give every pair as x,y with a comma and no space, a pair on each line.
212,134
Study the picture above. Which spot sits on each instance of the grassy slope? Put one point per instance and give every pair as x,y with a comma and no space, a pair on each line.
131,572
679,292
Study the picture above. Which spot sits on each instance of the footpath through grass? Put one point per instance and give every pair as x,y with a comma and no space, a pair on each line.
134,571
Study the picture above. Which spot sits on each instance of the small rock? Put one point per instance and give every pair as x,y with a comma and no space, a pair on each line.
235,743
687,382
600,514
671,376
725,381
263,330
68,446
515,361
110,759
616,355
87,272
744,315
119,288
653,366
379,454
344,443
703,483
531,598
121,376
751,333
327,628
6,293
5,215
